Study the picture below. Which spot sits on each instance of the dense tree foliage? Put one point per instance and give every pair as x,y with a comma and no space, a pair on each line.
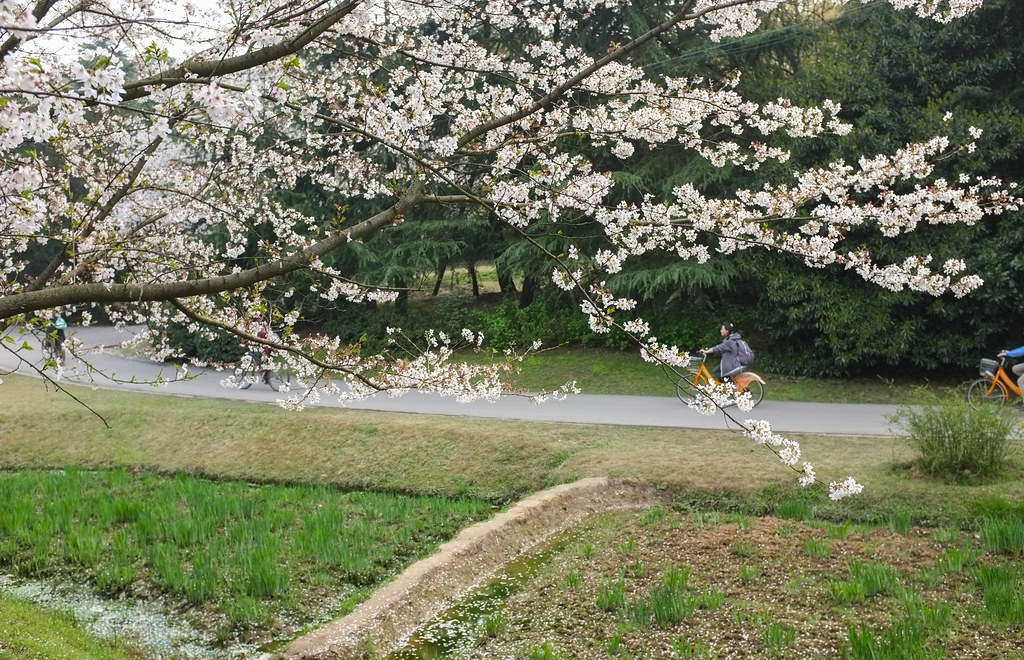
898,78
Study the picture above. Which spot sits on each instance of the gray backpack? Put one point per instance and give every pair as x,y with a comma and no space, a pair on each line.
744,354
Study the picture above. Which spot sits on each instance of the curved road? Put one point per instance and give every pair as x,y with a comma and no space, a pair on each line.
655,411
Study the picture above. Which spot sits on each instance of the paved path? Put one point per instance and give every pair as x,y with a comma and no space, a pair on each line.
657,411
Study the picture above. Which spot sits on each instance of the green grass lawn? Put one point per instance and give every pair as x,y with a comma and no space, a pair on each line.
599,371
30,632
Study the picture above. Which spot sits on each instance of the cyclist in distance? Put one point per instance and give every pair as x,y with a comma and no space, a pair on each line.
263,358
729,350
1018,369
56,335
60,326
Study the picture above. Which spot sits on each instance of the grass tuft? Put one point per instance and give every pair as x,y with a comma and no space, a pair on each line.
1004,601
775,637
794,510
954,560
1002,535
902,640
611,596
817,548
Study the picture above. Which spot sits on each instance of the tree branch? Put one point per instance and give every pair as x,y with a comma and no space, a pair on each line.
40,10
43,278
264,341
225,66
71,294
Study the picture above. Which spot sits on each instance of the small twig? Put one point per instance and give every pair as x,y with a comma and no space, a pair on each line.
49,380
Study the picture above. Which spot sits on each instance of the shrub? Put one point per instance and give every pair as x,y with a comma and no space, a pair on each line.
358,323
212,346
955,441
557,320
509,324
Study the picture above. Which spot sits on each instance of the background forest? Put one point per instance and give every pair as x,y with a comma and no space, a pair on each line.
897,79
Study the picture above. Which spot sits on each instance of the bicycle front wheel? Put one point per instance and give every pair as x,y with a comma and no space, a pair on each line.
280,381
245,376
986,391
756,389
685,389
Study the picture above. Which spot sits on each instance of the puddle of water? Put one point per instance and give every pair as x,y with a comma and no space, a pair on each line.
142,623
455,631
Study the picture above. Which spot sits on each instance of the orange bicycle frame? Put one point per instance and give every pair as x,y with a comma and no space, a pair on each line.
1003,379
742,380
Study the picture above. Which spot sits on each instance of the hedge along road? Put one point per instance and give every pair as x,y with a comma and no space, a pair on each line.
650,411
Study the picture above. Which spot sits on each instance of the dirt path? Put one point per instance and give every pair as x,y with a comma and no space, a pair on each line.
416,596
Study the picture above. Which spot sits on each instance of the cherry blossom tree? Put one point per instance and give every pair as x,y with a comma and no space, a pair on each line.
143,144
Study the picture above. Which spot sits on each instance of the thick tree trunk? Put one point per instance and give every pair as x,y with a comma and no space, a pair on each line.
402,301
476,283
529,292
440,278
506,285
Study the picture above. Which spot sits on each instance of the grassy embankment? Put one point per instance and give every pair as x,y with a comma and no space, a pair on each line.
497,461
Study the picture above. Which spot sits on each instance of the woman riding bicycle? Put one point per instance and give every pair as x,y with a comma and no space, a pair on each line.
261,358
729,349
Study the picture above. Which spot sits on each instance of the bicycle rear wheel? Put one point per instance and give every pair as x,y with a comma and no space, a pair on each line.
986,391
756,389
684,389
50,350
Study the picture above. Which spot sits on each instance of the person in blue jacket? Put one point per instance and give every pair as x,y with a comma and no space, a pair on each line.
1018,369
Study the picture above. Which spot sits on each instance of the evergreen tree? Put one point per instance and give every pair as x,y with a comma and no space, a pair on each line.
897,79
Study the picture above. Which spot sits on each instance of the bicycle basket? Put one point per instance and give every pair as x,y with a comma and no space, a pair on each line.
988,367
695,362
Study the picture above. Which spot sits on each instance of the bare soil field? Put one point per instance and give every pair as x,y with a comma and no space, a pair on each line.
643,579
758,588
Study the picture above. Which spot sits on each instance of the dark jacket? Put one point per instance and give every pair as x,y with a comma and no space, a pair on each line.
729,350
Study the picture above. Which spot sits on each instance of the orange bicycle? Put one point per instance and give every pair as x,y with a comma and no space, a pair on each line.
698,376
994,387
